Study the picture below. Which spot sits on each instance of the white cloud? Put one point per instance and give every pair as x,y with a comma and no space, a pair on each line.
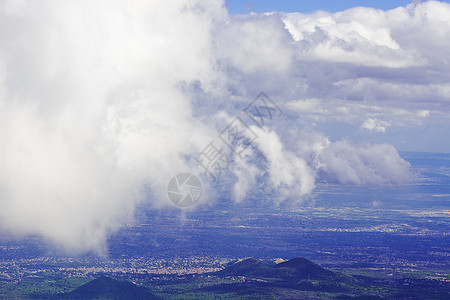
91,113
346,37
289,174
365,164
255,44
361,56
375,125
311,106
246,174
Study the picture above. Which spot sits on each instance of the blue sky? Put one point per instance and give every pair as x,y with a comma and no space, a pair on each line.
244,6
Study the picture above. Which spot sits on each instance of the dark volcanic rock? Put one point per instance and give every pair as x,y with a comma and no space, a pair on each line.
107,288
295,269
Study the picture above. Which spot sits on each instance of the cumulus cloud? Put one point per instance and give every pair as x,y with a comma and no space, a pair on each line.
347,37
244,44
101,103
360,57
288,174
363,63
90,112
375,125
364,164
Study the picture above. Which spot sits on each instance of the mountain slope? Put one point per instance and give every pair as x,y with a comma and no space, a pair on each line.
294,269
249,267
301,268
107,288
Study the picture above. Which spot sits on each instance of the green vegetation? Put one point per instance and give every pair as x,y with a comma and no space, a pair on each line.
251,278
107,288
40,287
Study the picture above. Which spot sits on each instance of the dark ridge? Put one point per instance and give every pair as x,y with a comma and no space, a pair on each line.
107,288
249,267
295,269
302,268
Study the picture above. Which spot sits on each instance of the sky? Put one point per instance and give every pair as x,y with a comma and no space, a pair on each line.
102,103
244,7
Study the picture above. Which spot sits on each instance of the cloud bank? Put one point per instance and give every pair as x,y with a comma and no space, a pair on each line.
101,103
90,111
